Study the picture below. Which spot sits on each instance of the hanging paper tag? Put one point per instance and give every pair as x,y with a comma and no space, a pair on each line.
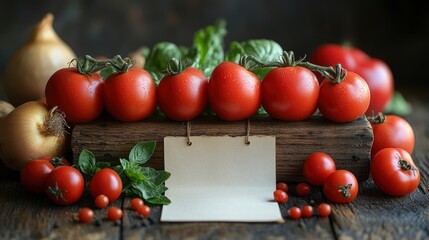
221,179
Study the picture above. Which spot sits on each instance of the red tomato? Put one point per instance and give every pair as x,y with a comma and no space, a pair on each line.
130,96
234,92
85,215
380,82
280,196
324,210
136,203
307,211
393,132
144,211
34,175
394,172
317,167
64,185
295,212
303,189
290,93
341,186
344,101
106,182
375,72
183,96
79,96
101,201
114,213
282,186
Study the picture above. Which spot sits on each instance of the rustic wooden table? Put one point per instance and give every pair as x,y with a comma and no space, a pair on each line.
373,215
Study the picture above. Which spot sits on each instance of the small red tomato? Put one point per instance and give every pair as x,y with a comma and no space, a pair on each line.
280,196
234,92
136,203
303,189
282,186
114,213
79,96
106,182
392,132
307,211
85,215
295,213
130,96
341,186
101,201
144,211
183,96
317,168
394,172
324,210
64,185
344,101
34,175
290,93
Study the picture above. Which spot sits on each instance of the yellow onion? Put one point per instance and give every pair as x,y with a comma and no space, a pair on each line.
32,131
5,108
30,67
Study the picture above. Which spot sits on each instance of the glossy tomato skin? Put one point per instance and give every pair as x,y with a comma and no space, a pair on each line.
183,96
106,182
341,186
394,132
394,172
34,175
317,167
380,81
374,71
79,96
64,185
234,92
344,101
290,93
130,96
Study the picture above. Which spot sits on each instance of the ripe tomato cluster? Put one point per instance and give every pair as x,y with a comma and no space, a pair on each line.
289,91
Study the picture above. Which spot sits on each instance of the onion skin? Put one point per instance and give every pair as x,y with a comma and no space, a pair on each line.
5,108
24,138
30,67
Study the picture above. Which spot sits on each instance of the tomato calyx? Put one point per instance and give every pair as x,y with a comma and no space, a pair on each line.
58,161
88,64
57,192
377,119
176,66
345,190
405,165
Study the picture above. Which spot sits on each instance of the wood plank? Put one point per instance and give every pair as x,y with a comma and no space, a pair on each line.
349,144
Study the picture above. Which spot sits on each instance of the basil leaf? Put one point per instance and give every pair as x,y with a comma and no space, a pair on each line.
141,152
162,177
135,173
161,199
86,163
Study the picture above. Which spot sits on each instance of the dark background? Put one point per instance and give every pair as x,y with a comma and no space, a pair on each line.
393,30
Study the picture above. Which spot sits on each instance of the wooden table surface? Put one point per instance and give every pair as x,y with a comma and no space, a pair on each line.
373,215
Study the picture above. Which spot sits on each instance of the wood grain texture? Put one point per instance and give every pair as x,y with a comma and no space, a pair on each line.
349,144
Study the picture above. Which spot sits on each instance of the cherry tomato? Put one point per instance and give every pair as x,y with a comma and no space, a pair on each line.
341,186
295,212
394,132
324,209
106,182
302,189
34,175
85,215
280,196
282,186
307,211
136,203
101,201
114,213
64,185
290,93
374,71
183,96
79,96
394,172
144,211
317,168
130,96
234,92
344,101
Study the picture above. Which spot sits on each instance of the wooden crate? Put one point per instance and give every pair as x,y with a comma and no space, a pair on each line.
349,144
